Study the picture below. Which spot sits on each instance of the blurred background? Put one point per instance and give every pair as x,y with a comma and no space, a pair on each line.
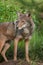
8,12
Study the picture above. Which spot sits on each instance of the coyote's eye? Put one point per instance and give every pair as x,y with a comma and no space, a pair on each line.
22,21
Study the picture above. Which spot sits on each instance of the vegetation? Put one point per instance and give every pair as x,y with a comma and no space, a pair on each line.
8,12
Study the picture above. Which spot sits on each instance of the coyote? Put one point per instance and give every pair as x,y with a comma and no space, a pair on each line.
16,31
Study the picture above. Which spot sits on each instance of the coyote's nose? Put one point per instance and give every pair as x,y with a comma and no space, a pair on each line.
17,27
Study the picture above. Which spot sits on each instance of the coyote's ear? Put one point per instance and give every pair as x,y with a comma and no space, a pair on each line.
19,14
28,14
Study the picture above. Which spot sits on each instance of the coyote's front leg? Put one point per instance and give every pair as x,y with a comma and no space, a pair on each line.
26,50
16,40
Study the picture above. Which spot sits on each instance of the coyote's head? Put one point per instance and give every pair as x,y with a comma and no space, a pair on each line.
25,20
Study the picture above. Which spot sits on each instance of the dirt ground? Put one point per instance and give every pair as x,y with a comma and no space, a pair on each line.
19,62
